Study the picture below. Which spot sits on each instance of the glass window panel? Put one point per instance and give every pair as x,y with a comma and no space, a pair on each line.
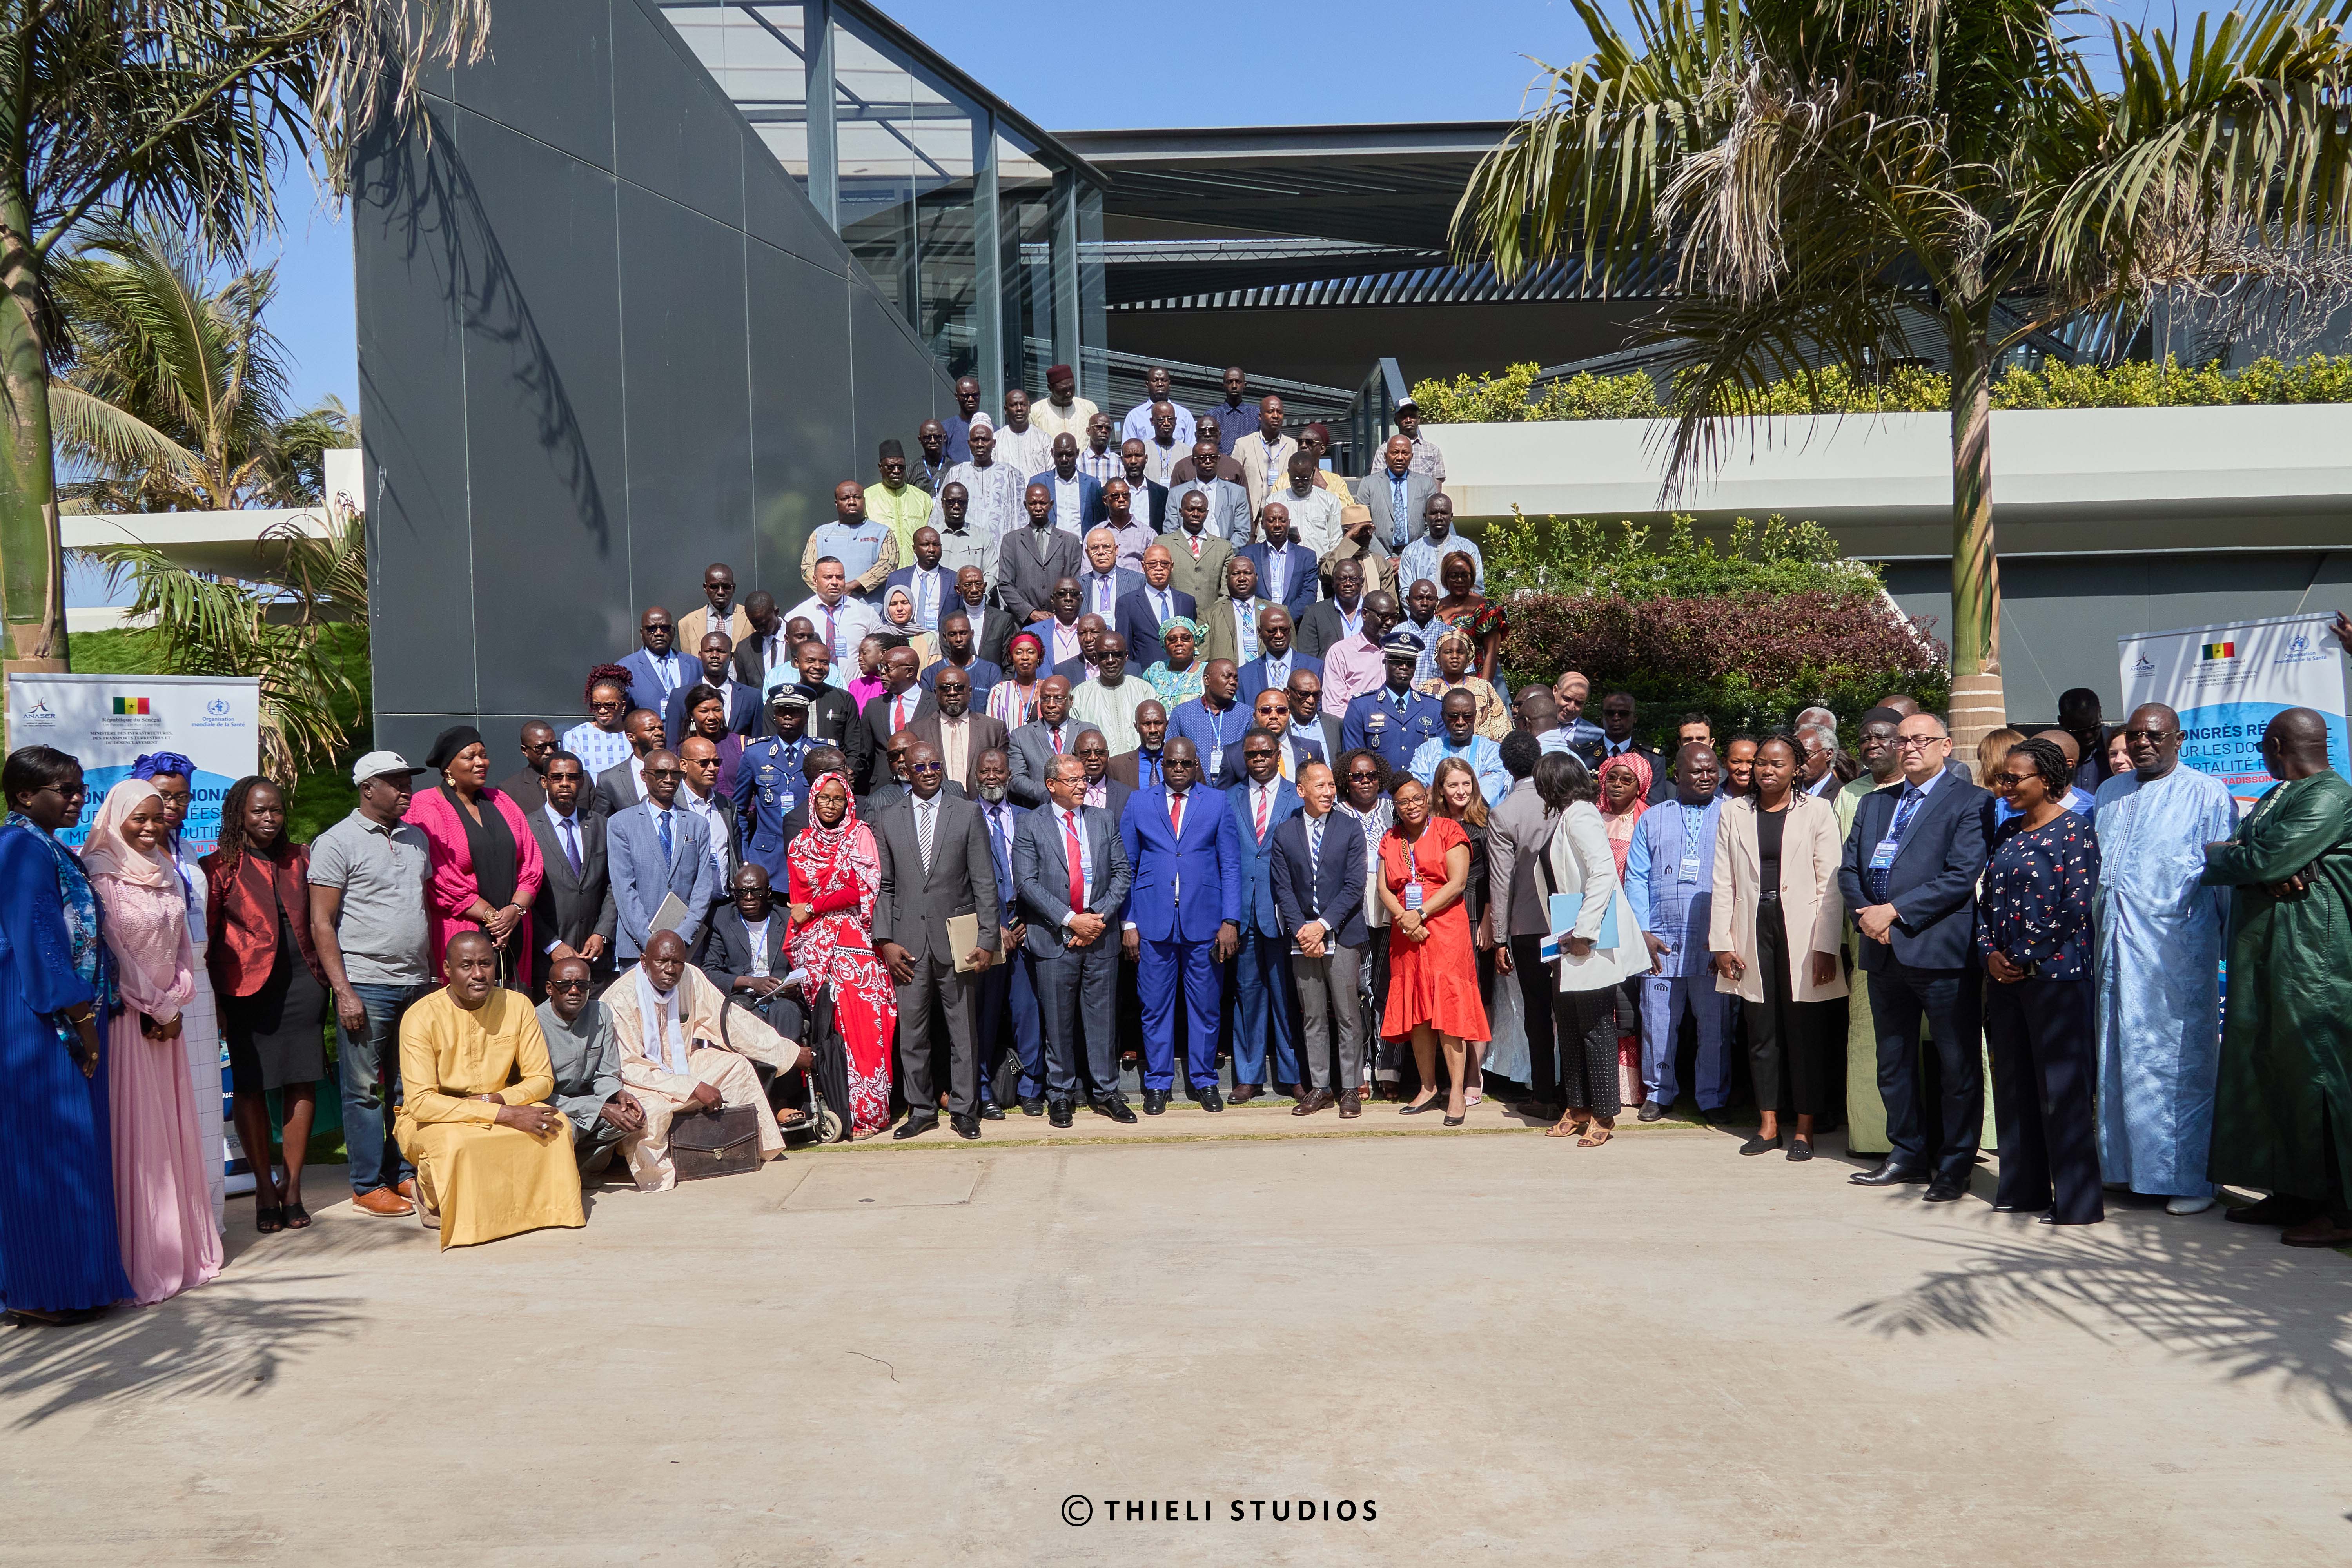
758,53
1025,206
939,130
877,162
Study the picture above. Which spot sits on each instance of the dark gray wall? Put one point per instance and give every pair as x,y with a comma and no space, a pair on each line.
2060,614
604,340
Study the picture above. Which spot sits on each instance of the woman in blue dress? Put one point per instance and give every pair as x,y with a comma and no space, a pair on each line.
59,1255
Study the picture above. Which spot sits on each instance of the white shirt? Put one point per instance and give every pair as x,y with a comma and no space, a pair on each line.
759,935
705,807
852,620
1101,589
1065,823
1069,516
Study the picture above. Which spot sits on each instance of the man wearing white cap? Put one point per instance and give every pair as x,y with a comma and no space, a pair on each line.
368,877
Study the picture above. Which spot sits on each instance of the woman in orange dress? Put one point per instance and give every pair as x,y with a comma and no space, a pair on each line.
1477,615
1433,970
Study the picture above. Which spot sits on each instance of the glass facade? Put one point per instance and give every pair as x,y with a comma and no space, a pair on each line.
968,224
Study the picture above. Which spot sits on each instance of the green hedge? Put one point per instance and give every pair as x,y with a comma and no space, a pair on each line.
1512,396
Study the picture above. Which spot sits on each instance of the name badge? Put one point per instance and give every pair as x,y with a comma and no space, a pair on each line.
1883,858
786,801
1412,895
1216,758
1690,867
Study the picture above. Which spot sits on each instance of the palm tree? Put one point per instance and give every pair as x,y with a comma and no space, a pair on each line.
174,400
174,114
1830,173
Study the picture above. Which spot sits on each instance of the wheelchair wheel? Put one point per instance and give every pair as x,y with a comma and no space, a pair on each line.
829,1126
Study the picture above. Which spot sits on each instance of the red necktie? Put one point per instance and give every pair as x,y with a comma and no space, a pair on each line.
1176,814
1265,804
899,712
1070,849
1057,737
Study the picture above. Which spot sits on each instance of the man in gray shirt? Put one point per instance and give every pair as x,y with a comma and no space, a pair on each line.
586,1060
368,879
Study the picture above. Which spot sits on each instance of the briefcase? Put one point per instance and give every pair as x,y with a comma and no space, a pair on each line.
724,1143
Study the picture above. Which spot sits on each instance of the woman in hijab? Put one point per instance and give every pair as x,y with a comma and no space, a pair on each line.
1624,796
834,871
266,972
174,778
1013,702
1177,678
62,1261
899,612
162,1201
485,865
1455,651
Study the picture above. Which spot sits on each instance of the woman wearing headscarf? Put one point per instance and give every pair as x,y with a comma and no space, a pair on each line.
162,1203
485,865
1177,678
834,871
1013,702
174,778
1624,796
1453,653
1599,951
272,992
63,1257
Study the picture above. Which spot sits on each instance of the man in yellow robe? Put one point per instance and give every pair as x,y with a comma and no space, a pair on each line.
676,1058
491,1161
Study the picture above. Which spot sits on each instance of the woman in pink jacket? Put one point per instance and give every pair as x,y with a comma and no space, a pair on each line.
485,865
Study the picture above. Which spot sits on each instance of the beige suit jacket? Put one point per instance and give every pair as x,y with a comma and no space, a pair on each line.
1810,905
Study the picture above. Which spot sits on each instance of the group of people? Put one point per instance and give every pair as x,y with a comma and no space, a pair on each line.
1241,799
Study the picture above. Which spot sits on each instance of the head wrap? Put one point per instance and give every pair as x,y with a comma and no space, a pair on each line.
893,597
106,853
889,448
1621,823
1055,372
155,762
1019,637
1184,624
1455,633
449,743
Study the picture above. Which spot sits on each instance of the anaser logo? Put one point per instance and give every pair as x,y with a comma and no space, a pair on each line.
2144,666
2214,650
41,712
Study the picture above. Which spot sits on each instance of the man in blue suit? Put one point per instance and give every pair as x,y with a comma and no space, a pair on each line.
1262,1004
1184,910
1148,608
1277,657
1286,570
1396,720
1008,992
652,850
656,669
930,586
1078,497
1212,721
1073,877
1909,875
1319,900
769,782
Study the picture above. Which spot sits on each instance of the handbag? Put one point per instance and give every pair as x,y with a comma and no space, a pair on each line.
721,1143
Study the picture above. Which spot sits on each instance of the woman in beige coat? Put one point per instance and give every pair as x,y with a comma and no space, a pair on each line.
1774,933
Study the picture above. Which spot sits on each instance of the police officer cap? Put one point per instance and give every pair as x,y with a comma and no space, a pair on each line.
1400,642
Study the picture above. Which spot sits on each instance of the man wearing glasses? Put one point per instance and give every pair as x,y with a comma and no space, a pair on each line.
657,848
1910,872
586,1060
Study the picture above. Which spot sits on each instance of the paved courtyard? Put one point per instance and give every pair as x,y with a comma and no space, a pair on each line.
1513,1350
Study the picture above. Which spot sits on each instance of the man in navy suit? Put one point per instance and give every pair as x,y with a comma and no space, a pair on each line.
1319,900
1395,720
1293,749
1008,992
1262,999
1184,910
1909,875
1271,669
1286,568
652,850
1077,499
930,586
1146,610
1073,877
718,673
656,669
899,703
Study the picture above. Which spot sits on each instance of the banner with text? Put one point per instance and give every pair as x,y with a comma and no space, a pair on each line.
2228,682
110,721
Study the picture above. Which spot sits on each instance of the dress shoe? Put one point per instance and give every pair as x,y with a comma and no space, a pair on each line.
1059,1112
1423,1109
991,1111
1888,1175
1316,1099
1114,1106
1155,1101
1946,1190
914,1127
2187,1206
1209,1100
1243,1093
1801,1148
2276,1209
2317,1231
1033,1108
965,1126
1352,1105
1759,1144
1651,1110
385,1203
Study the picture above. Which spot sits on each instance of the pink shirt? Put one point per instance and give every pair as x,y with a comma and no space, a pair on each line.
1351,668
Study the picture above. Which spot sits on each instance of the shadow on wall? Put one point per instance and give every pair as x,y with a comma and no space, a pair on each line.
2228,1296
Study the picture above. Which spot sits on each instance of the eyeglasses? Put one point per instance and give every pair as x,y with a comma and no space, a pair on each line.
1918,743
567,985
661,772
65,791
927,767
2153,737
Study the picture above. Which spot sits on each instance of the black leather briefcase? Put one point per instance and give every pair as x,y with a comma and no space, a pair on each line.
724,1143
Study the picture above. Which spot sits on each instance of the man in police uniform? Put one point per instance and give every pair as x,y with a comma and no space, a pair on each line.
1395,720
768,782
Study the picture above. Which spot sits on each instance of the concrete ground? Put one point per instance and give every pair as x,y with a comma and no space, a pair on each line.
1652,1352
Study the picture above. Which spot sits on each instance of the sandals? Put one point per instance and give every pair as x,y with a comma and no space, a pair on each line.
1564,1128
297,1217
270,1221
1596,1137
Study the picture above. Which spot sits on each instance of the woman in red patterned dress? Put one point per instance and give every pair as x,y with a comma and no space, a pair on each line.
833,871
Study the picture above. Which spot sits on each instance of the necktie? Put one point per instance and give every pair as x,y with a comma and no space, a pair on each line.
832,634
1057,739
1265,806
1910,803
1160,605
1151,767
1313,841
1195,542
923,810
1176,814
899,711
669,846
1070,852
1402,698
1290,768
1098,794
571,847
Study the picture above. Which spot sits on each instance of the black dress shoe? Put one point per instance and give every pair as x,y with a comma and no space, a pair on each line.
1116,1108
1651,1112
1801,1148
1209,1098
1033,1108
1759,1144
1155,1101
966,1126
915,1127
1888,1175
991,1111
1946,1190
1059,1111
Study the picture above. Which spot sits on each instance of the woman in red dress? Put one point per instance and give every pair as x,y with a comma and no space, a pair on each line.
1432,971
835,870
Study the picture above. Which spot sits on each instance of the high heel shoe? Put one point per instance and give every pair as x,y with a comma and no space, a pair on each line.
1456,1120
1409,1109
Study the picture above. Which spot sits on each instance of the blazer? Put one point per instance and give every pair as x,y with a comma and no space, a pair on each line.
646,687
1150,506
987,734
1008,890
1253,678
741,719
569,909
1041,871
1258,911
640,881
749,668
453,887
1320,629
834,720
1257,473
1301,582
1030,749
1933,881
527,787
1517,830
1578,863
1090,502
1223,639
1115,797
874,728
1203,579
241,931
1127,768
1372,494
1229,775
1331,889
1229,507
727,950
1809,903
911,908
1326,727
1029,564
1139,623
1124,580
1183,885
616,790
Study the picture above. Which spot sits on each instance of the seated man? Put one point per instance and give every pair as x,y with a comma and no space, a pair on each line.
586,1062
675,1058
491,1159
746,955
